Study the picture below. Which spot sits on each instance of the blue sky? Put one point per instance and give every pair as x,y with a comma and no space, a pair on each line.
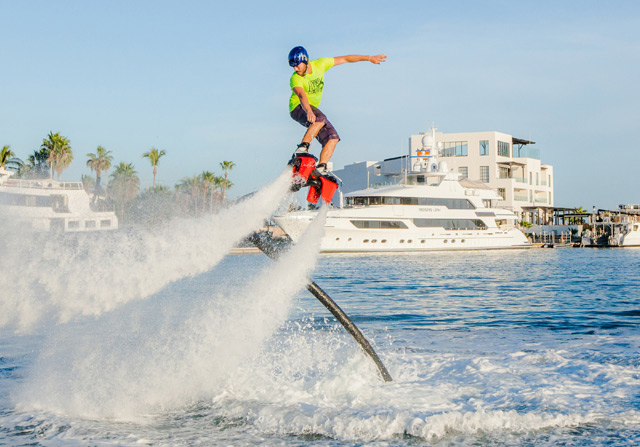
209,81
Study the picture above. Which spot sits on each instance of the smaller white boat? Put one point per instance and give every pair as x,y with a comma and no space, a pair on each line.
48,205
630,236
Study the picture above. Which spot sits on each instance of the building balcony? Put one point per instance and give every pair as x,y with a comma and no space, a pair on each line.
526,152
520,198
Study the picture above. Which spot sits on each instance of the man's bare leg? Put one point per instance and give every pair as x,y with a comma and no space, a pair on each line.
312,131
327,151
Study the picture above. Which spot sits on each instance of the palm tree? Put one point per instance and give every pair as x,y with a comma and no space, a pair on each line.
37,165
99,162
60,153
154,157
88,183
191,186
8,159
226,167
124,185
5,155
208,179
224,185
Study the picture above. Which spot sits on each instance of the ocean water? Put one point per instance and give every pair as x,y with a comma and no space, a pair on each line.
495,348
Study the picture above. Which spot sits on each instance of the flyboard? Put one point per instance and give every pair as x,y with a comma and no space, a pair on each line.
305,174
320,186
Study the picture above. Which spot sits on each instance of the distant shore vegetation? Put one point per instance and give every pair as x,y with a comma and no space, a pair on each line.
117,187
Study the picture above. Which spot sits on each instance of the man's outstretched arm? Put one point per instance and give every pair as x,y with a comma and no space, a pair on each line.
358,58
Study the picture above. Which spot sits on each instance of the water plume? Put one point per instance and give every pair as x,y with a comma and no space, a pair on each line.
166,353
61,277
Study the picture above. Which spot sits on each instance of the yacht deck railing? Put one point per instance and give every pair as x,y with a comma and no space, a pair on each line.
43,184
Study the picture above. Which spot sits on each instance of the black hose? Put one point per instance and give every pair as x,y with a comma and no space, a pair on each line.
269,248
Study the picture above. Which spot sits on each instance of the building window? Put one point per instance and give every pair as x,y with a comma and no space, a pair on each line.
454,149
484,174
503,193
537,178
504,172
503,149
463,171
531,178
484,147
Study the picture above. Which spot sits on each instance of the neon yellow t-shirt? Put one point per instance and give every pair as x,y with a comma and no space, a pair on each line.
311,83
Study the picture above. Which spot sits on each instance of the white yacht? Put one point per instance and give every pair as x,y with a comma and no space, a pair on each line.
429,209
48,205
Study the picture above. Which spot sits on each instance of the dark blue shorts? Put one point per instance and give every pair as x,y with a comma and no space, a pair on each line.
326,133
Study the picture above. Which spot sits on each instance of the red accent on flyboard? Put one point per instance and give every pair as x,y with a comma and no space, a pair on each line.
304,165
325,189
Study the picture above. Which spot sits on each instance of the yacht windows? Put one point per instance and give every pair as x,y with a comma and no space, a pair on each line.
25,200
453,204
451,224
60,203
383,224
105,223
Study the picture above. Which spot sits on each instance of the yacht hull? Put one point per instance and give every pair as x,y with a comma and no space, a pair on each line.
342,236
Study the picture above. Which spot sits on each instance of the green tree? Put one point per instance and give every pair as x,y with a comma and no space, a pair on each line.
8,160
124,186
226,167
154,157
88,183
99,162
37,165
225,184
208,180
60,153
191,186
6,154
578,220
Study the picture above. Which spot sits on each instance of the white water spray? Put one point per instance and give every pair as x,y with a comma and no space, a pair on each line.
130,363
59,278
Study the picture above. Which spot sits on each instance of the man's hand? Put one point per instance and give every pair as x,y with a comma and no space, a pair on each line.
377,59
311,117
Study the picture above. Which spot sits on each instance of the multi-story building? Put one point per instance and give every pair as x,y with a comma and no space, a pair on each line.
502,162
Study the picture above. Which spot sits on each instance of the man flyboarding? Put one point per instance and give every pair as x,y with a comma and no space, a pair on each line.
307,83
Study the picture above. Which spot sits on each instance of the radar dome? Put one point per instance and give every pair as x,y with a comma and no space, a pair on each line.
427,141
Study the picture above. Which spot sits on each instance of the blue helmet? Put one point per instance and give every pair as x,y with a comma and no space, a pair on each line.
298,55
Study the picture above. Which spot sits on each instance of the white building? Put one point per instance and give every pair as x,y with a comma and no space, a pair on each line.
502,162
